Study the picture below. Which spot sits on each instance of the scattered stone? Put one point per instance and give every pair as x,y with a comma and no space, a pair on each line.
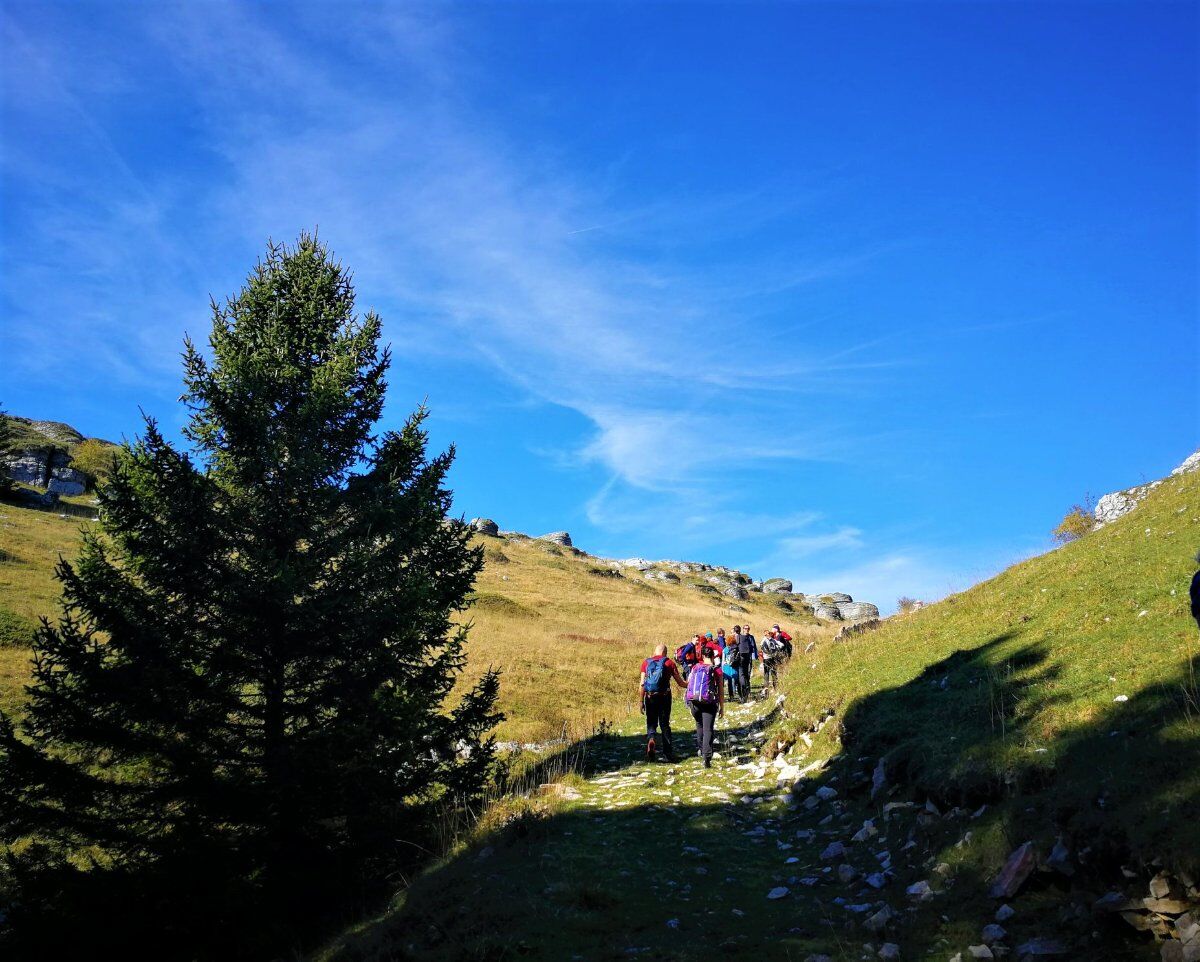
825,793
876,880
889,950
778,892
920,891
484,526
879,780
1166,906
980,952
1016,870
867,831
1004,913
1114,902
878,922
833,850
993,933
557,537
857,611
559,790
1060,859
1160,885
846,873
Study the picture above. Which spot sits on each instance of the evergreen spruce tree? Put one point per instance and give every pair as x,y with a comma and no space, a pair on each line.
246,703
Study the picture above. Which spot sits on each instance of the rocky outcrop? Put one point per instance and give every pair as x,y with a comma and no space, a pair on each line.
826,612
780,586
857,610
46,467
485,526
560,538
1120,503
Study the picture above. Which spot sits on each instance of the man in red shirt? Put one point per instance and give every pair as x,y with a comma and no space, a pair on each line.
654,693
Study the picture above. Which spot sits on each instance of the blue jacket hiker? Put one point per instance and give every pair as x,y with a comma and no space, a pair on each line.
654,692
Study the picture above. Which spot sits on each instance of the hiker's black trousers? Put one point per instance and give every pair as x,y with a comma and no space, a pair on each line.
658,715
706,721
744,676
770,673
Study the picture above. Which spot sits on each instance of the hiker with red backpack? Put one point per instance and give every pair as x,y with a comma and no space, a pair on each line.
774,653
706,700
784,637
654,692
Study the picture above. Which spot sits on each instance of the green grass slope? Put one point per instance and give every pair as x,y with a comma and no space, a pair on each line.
1065,688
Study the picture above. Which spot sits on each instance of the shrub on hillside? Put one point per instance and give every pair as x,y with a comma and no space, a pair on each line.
96,460
242,718
905,603
15,631
1075,524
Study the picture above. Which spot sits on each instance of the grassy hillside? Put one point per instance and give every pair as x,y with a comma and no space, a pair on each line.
570,635
567,632
1055,702
1066,687
30,544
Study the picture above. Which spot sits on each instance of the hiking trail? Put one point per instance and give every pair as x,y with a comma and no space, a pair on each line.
760,859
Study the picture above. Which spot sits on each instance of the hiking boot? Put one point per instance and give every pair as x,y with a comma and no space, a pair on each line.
651,750
708,763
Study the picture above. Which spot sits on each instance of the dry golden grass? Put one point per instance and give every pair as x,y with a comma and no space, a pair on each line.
569,641
30,545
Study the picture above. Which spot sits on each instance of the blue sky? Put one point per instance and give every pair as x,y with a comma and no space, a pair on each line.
865,295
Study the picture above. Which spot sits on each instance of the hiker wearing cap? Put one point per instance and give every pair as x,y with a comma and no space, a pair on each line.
654,693
706,701
773,656
709,644
785,638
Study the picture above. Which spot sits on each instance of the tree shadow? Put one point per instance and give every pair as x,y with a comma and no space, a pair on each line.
993,724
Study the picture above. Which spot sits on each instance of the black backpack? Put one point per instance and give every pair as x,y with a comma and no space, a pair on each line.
735,656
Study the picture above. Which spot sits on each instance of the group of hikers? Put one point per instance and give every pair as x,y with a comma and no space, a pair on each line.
706,667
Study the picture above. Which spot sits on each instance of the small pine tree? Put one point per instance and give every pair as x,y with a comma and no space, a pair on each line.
245,704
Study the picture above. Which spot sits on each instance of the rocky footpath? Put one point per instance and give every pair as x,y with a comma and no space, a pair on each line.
799,851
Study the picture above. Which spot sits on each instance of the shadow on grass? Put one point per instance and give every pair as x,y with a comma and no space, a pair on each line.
994,724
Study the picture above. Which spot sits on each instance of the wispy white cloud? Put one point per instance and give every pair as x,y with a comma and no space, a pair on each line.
472,245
